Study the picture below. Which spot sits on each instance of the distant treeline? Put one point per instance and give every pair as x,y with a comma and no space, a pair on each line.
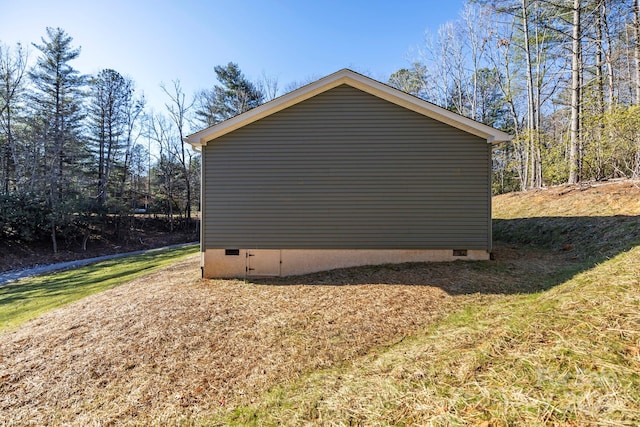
76,149
82,153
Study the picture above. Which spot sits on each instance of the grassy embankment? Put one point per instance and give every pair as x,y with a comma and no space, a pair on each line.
547,334
569,355
30,297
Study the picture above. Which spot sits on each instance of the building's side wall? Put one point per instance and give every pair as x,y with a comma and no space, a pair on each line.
347,170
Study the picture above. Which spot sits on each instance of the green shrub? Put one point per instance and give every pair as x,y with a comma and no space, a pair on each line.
23,216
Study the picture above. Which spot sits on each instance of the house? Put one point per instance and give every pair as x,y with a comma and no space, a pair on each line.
342,172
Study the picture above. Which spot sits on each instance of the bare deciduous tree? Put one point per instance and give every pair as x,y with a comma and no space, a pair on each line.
576,73
13,65
178,110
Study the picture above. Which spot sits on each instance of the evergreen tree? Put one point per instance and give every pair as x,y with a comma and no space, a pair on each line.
110,99
235,95
491,107
57,107
411,81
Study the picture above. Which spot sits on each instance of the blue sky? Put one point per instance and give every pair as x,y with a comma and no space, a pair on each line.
159,41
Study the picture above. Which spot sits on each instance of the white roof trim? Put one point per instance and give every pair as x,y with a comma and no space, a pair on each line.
357,81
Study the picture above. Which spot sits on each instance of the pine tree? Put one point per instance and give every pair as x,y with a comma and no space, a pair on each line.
57,110
110,100
235,95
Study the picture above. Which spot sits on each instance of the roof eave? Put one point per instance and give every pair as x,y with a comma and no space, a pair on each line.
505,137
366,84
433,111
294,97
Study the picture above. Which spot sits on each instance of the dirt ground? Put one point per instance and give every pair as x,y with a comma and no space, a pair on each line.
17,255
171,346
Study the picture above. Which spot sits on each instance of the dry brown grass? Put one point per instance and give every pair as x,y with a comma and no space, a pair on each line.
587,199
170,347
441,344
566,357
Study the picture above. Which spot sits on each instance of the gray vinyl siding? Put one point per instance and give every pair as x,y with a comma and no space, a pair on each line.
347,170
203,198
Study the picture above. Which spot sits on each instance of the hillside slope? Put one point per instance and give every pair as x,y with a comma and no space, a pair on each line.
588,199
588,222
566,356
548,333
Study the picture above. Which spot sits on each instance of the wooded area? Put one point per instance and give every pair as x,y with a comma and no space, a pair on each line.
561,76
82,154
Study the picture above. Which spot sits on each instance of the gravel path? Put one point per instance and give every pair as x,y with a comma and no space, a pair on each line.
13,275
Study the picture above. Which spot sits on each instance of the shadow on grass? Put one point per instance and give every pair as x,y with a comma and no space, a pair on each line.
531,255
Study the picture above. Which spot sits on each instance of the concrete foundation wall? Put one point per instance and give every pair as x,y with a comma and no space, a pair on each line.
217,263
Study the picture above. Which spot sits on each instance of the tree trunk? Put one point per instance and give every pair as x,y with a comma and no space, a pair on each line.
600,99
54,239
85,239
187,181
636,28
608,57
599,58
574,149
188,201
531,107
10,165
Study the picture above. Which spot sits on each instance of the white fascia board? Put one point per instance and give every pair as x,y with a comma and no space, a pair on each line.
358,81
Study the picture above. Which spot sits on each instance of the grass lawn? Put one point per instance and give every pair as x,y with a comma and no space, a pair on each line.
547,334
30,297
569,356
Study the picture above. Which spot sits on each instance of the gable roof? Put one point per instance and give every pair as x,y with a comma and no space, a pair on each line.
358,81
